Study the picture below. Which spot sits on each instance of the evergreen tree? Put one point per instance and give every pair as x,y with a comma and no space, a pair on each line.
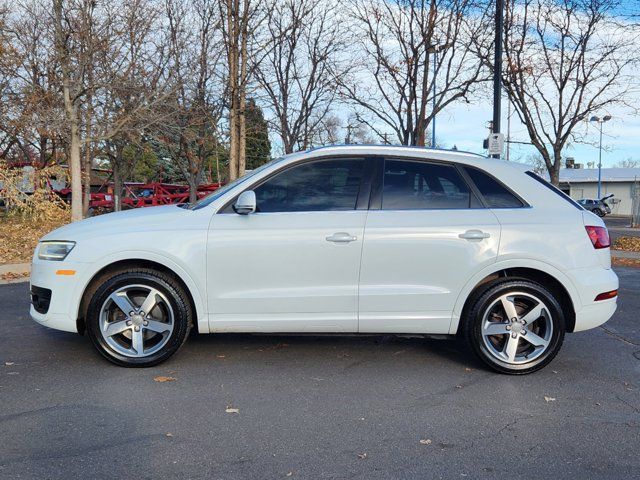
258,144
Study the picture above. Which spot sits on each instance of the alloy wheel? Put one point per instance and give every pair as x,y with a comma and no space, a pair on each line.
517,328
136,320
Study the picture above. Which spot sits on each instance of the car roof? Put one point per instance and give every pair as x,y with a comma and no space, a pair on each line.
467,158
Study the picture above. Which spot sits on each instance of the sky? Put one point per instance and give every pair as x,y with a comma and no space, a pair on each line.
463,125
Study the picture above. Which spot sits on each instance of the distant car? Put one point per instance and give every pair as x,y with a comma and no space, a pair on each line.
354,239
599,207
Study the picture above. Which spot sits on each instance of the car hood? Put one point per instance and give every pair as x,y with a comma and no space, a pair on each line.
140,219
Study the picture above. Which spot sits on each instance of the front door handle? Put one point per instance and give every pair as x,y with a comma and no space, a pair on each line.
341,237
474,235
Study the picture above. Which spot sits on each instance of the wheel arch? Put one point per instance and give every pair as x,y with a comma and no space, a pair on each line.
108,267
551,278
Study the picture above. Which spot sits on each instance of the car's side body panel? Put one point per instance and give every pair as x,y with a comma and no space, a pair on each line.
277,272
414,263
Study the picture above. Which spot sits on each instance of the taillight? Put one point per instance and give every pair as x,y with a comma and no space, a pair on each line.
606,295
599,236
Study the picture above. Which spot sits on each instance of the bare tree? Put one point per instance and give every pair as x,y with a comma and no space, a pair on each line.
298,73
72,91
419,56
240,21
565,60
190,134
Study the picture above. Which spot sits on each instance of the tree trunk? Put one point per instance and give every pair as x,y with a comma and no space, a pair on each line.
554,172
71,114
117,185
88,154
74,166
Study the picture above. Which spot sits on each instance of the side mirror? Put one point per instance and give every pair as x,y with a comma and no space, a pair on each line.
246,203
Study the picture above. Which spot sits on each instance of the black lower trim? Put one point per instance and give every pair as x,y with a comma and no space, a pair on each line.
40,299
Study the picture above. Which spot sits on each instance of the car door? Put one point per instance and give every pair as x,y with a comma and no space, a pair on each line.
426,234
293,265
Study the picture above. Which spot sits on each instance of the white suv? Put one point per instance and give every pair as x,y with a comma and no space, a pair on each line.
349,239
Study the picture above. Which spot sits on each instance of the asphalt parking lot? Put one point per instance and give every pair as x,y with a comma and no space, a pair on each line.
244,406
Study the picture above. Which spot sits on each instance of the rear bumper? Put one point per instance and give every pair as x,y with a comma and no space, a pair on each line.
594,315
590,282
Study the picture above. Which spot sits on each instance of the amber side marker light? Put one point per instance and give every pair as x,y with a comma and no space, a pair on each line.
607,295
65,272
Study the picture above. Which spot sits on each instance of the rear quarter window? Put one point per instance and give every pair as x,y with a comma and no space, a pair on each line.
495,194
555,190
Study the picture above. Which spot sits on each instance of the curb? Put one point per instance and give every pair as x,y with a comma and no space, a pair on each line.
625,254
16,268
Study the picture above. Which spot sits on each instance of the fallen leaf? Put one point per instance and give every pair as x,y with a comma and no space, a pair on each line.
458,386
426,441
554,371
230,409
362,456
163,379
169,434
549,399
467,369
8,364
289,473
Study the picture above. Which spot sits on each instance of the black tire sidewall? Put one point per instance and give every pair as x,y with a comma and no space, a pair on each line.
173,293
473,325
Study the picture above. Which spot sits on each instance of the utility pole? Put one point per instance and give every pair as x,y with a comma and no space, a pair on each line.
497,68
433,121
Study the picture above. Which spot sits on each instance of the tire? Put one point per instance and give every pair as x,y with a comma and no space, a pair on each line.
137,338
511,346
598,212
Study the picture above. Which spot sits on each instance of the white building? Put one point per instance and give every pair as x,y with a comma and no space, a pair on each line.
583,183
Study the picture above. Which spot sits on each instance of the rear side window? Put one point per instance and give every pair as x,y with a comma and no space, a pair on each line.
412,185
495,194
555,190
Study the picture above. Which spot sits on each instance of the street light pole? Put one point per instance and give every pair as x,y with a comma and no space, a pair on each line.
433,126
600,121
497,68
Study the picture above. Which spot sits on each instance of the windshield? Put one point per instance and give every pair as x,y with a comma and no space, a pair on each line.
203,202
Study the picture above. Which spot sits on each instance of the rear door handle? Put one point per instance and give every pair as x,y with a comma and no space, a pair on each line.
474,235
341,237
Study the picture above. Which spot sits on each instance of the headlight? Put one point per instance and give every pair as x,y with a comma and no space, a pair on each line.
55,250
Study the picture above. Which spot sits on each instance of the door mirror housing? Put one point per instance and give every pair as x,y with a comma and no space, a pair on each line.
246,203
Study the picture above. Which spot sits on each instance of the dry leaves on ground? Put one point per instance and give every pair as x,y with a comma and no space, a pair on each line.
426,441
231,409
625,262
362,456
629,244
162,379
549,399
19,236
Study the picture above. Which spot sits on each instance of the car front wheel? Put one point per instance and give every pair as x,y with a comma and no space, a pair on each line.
515,326
138,317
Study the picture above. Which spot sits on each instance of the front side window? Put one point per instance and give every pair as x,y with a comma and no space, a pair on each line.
494,193
413,185
323,185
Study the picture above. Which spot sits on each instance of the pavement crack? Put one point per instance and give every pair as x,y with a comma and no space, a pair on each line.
619,337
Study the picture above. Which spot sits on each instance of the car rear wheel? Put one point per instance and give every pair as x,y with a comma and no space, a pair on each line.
138,318
515,326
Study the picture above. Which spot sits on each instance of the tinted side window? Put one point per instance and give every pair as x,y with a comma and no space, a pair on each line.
495,194
410,185
313,186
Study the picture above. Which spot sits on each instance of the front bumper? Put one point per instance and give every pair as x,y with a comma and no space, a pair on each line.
62,310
